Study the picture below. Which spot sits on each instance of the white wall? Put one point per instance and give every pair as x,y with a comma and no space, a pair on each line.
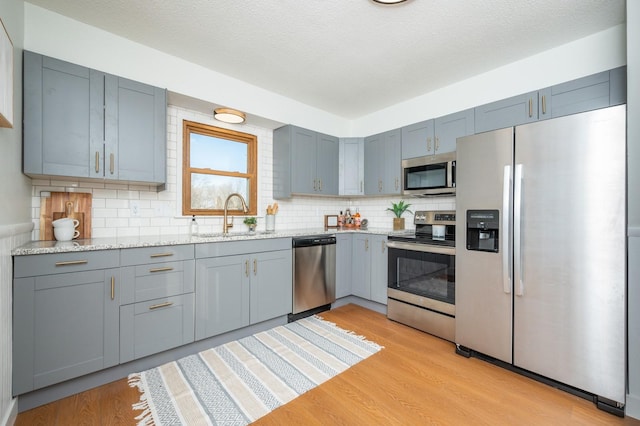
14,205
633,151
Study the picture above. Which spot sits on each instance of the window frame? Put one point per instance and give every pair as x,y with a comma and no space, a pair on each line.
189,127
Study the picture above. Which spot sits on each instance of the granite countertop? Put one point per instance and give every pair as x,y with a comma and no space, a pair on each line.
91,244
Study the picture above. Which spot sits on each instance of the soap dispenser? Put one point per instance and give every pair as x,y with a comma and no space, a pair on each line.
193,228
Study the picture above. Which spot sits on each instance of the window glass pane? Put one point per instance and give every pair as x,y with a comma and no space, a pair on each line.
208,152
210,191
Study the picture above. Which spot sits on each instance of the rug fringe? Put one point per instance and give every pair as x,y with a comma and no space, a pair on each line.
145,418
351,333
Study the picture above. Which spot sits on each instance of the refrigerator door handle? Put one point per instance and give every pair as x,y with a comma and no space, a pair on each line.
517,230
506,201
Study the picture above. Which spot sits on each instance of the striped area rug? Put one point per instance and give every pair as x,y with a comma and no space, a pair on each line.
241,381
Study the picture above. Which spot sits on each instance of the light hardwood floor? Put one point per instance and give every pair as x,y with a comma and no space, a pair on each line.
416,379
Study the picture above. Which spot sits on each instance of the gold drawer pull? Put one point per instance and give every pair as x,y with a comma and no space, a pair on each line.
160,305
72,262
113,288
166,268
97,162
161,254
111,163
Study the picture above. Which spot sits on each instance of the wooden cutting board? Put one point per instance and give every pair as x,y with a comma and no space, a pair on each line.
74,205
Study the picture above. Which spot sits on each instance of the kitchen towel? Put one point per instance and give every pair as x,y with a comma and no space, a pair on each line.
241,381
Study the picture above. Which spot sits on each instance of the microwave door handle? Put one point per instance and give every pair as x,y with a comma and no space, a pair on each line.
451,178
506,203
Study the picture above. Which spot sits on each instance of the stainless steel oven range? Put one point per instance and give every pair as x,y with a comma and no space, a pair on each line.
421,289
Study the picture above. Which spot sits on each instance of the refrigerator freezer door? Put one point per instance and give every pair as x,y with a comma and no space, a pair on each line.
483,279
569,313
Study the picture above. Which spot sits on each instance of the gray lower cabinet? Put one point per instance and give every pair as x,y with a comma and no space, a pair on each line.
304,162
369,267
84,123
241,283
344,248
382,161
65,317
157,300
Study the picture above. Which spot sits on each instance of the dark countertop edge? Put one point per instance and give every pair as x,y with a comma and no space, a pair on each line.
115,243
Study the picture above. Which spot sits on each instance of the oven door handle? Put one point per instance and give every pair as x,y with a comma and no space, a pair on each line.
425,248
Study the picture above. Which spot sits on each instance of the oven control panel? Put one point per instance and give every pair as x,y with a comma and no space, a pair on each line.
438,217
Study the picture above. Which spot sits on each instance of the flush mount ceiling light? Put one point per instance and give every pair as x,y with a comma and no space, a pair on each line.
389,1
228,115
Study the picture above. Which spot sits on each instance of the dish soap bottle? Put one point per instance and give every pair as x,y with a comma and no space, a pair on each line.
356,218
193,227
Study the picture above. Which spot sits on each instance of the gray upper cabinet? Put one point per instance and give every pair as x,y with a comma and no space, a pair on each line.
304,162
83,123
65,317
382,158
595,91
418,139
436,136
583,94
509,112
351,166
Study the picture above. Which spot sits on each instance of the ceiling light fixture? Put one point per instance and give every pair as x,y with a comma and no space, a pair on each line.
389,1
229,115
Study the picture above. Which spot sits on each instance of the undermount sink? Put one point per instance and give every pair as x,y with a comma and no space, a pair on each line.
230,234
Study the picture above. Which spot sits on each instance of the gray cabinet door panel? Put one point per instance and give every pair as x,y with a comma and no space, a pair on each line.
379,262
361,267
303,161
450,127
101,123
372,180
73,328
161,254
507,112
147,282
222,289
391,161
156,325
344,248
327,164
418,139
583,94
141,145
271,285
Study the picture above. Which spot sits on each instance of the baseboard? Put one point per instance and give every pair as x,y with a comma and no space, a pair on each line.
11,414
632,407
371,305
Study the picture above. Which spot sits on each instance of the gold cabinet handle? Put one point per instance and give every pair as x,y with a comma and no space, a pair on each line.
246,268
163,269
113,288
97,162
437,147
161,254
544,104
111,163
428,144
530,107
160,305
384,245
72,262
255,267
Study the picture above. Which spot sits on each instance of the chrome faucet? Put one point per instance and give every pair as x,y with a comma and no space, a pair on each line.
245,209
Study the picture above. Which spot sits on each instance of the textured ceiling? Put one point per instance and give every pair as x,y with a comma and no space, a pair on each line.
348,57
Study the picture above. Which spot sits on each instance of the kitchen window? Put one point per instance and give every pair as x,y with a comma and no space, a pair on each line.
217,162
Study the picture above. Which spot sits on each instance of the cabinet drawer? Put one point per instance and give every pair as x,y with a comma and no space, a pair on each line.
154,326
58,263
152,281
161,254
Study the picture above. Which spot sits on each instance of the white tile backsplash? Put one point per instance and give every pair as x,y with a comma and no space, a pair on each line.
158,213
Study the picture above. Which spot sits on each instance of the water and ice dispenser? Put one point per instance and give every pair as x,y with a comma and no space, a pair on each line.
483,230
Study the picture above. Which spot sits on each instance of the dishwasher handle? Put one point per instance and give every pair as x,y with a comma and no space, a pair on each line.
314,241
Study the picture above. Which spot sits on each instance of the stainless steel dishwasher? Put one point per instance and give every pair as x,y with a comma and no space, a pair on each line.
314,275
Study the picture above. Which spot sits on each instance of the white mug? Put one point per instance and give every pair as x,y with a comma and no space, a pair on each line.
65,233
66,221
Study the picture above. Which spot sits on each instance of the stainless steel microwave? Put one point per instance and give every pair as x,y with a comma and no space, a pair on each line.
429,176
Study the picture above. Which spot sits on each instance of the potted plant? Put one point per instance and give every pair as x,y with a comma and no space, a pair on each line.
251,222
398,209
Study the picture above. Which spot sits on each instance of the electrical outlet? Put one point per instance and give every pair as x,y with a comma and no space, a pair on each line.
134,206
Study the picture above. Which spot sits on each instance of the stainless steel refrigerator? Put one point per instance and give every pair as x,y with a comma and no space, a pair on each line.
541,249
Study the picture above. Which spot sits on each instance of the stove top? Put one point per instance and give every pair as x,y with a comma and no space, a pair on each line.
437,228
